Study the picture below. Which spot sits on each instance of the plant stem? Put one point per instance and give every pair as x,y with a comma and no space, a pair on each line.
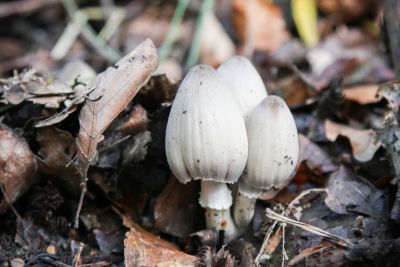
166,47
194,51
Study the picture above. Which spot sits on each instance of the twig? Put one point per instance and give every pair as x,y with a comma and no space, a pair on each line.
84,167
180,10
285,213
308,227
99,44
194,51
77,258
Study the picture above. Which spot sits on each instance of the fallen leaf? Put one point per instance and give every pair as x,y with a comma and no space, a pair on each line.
363,94
314,156
137,121
215,44
57,149
308,252
177,211
17,167
115,88
260,25
364,143
145,249
346,192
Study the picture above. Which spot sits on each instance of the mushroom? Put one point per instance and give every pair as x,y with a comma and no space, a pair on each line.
273,154
245,83
206,140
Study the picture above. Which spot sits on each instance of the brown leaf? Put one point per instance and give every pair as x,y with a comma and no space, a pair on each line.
137,121
363,94
17,166
309,251
57,149
260,25
145,249
115,88
364,143
177,211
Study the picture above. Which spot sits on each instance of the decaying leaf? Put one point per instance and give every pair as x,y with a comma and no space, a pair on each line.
115,88
259,25
145,249
364,143
215,45
17,166
347,192
57,148
177,211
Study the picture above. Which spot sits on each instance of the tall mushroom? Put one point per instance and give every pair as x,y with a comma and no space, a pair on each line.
245,83
206,140
273,154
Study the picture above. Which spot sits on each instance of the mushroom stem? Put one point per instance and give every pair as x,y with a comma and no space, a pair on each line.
216,199
245,203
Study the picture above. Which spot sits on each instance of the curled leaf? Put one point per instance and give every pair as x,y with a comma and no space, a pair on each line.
115,88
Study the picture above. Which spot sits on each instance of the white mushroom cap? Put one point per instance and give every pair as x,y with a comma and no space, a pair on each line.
206,135
273,144
244,81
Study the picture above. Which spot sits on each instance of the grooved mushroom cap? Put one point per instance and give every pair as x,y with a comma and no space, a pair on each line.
206,135
273,144
244,81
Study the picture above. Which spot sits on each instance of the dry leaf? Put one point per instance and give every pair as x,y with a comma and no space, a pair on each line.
215,44
347,192
145,249
364,143
137,121
57,148
259,25
17,166
177,211
115,88
308,252
314,156
363,94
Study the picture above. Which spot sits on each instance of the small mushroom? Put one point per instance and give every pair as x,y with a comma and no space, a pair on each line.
273,154
206,140
244,81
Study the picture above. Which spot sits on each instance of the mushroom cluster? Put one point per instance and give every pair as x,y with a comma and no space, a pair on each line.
223,128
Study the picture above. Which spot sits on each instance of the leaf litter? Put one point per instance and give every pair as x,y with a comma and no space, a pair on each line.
334,67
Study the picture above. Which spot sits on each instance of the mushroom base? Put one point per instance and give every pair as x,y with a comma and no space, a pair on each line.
221,220
216,199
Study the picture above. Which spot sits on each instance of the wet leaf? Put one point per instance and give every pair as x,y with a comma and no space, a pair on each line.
137,121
